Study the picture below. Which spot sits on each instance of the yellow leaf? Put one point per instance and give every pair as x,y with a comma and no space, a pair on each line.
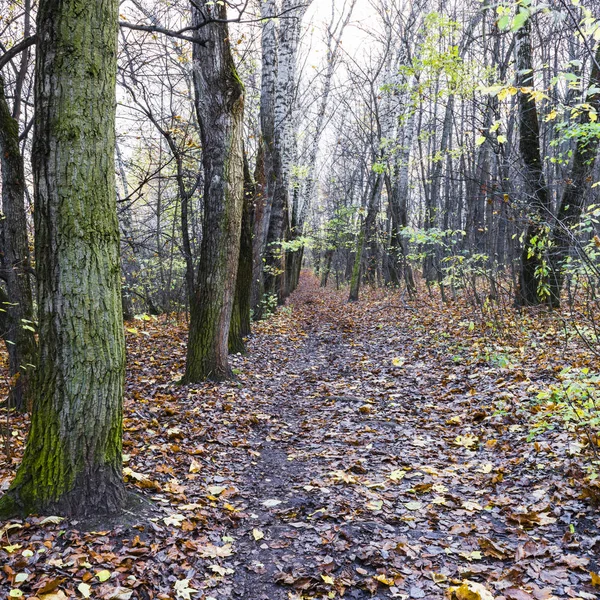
467,440
216,490
398,361
103,576
502,94
595,579
475,555
470,590
414,505
486,468
342,477
327,579
397,475
385,580
195,466
551,116
257,534
85,590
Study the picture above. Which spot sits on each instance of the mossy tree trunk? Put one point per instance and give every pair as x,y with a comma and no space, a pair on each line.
16,306
72,463
219,98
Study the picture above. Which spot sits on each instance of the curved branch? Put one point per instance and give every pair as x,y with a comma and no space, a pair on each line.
16,50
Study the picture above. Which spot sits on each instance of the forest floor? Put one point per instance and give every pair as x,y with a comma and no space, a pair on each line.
372,450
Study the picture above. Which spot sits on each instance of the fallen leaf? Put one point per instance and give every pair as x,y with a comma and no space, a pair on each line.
52,520
397,475
375,505
470,590
175,520
212,551
183,589
271,503
103,576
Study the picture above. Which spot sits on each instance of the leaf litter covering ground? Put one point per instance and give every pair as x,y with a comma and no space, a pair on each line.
354,456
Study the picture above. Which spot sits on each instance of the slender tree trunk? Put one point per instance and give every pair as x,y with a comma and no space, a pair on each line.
362,238
265,176
240,317
72,463
539,208
16,310
220,109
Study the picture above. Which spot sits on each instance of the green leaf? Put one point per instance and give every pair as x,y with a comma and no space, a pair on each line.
503,22
520,19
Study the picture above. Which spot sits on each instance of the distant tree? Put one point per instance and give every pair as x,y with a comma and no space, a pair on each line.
72,463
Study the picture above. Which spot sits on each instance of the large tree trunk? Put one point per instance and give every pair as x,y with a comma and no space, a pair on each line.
220,109
539,208
16,309
573,199
72,463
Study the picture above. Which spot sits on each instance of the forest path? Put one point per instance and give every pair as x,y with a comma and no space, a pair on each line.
353,456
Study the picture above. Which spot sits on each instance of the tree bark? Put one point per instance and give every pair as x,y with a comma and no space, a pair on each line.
219,98
72,463
264,164
16,310
539,208
279,224
240,318
362,238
